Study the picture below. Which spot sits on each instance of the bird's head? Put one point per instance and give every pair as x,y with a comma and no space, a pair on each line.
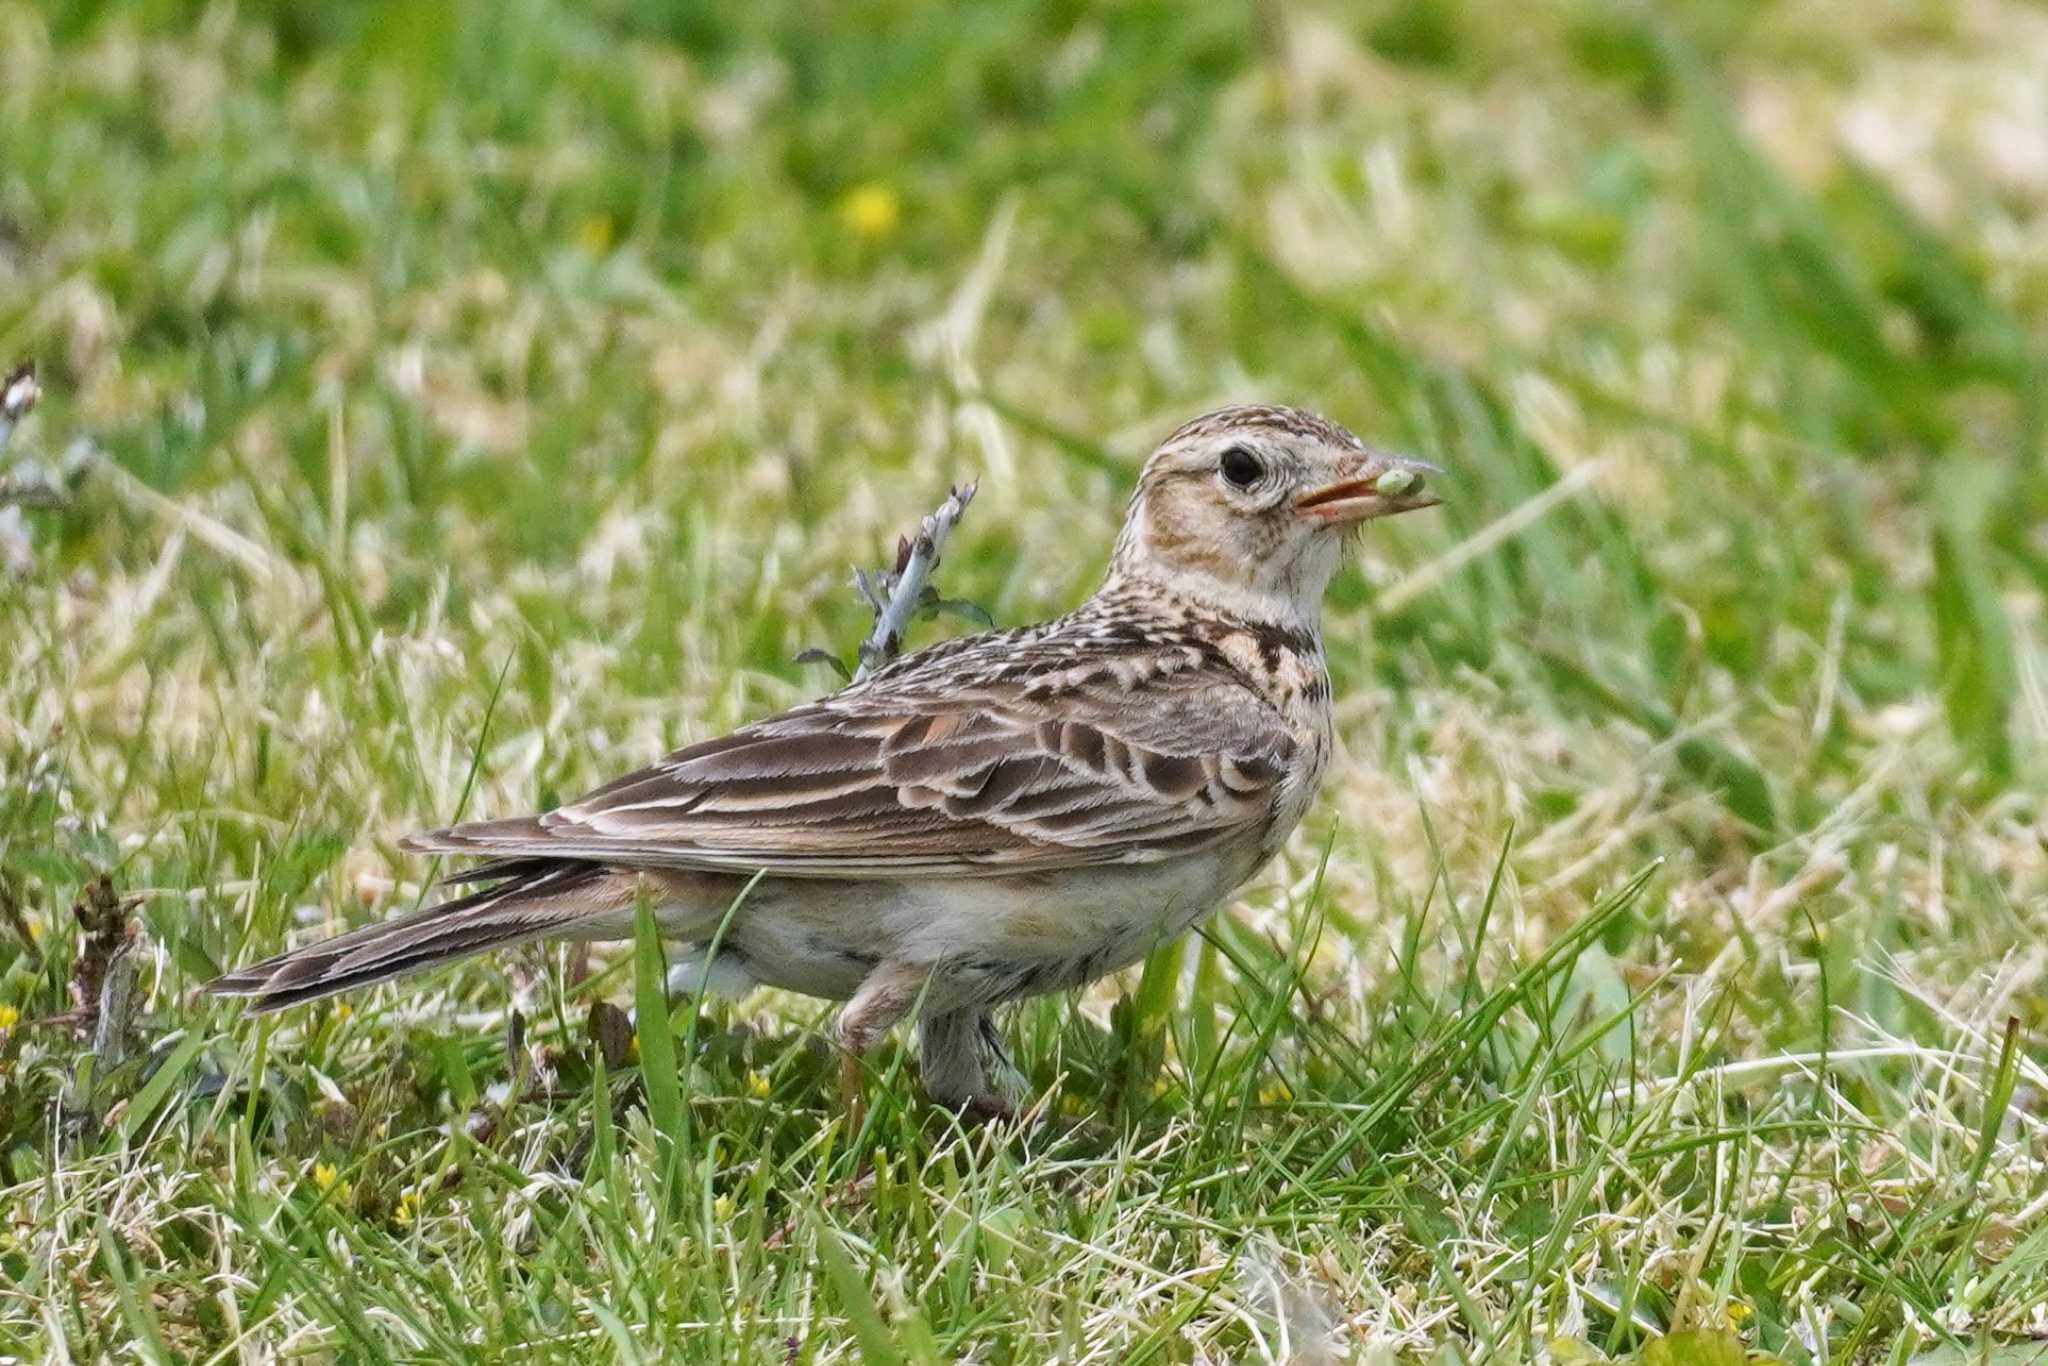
1246,509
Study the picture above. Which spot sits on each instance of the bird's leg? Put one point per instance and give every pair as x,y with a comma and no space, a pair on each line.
954,1048
883,997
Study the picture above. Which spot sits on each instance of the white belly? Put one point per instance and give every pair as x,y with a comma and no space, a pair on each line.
986,938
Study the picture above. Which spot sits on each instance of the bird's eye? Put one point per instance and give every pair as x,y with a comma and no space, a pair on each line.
1240,468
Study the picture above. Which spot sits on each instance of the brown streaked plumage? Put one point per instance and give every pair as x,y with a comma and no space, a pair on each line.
992,817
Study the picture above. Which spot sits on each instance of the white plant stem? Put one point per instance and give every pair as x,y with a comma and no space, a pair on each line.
913,573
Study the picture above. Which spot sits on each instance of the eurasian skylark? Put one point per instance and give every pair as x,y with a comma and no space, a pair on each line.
993,817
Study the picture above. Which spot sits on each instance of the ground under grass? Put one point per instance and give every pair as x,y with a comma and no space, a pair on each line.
460,407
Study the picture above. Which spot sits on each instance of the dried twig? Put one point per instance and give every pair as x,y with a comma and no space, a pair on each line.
99,997
898,593
17,396
115,1028
103,1005
611,1029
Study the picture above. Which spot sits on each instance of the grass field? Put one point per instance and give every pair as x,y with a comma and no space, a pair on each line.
462,406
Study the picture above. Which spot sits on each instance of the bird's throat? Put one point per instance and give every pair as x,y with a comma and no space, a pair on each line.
1183,592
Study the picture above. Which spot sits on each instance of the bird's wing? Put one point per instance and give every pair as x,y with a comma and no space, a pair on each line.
1052,761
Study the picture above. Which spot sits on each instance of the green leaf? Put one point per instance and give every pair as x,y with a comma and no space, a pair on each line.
1595,987
1741,783
1984,1354
862,1312
1706,761
1972,636
1694,1347
1576,1352
192,956
1998,1098
454,1064
147,1336
657,1044
1529,1221
159,1085
1159,983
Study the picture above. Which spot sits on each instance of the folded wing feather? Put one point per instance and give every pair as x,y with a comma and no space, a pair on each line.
1002,775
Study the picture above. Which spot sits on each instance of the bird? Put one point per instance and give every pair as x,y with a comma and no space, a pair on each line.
996,816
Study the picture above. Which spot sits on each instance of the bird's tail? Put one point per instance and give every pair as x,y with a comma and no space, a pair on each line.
537,897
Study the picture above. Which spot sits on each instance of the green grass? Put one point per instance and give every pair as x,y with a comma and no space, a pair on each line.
490,398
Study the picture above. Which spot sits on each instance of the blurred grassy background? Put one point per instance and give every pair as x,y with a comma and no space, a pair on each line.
478,399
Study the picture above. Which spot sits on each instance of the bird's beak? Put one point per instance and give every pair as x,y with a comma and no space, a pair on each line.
1381,486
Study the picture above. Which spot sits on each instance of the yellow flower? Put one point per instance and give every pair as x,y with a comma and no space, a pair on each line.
343,1010
594,234
870,210
408,1208
1275,1092
9,1017
757,1085
328,1179
721,1209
